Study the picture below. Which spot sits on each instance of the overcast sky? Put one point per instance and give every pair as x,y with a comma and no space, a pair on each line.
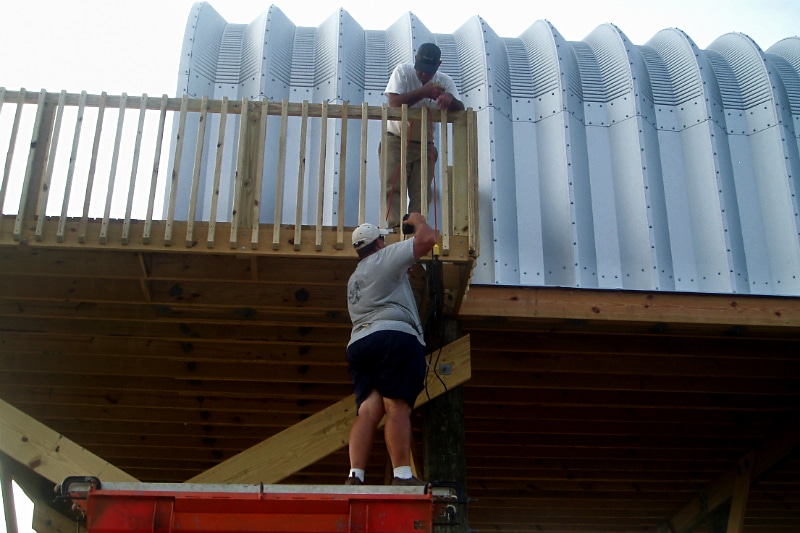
134,46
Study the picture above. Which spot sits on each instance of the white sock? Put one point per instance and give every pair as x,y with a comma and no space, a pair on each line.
358,472
403,472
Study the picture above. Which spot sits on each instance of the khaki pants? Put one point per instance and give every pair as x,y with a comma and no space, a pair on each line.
390,183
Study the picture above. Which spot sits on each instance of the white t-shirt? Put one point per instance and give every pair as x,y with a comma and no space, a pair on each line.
379,295
404,79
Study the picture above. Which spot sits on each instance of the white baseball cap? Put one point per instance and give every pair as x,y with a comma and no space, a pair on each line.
365,234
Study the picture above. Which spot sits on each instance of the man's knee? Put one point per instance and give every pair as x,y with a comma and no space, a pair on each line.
372,407
396,407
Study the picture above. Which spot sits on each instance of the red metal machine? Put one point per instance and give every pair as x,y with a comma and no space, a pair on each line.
178,507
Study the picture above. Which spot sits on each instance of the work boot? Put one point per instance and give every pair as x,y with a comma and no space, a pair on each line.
353,480
410,482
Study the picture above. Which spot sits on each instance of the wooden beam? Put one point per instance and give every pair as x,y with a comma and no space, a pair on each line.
7,491
48,520
326,431
444,437
284,235
51,455
741,489
485,301
722,490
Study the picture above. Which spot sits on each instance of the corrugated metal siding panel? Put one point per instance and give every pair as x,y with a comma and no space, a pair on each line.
541,63
354,56
785,57
327,52
252,69
376,71
303,65
729,90
278,49
602,163
472,57
765,171
593,88
787,61
610,47
229,63
788,78
519,70
200,50
747,69
673,68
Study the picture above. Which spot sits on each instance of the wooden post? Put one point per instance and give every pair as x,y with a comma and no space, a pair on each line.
8,497
46,519
253,158
37,163
741,490
49,515
444,438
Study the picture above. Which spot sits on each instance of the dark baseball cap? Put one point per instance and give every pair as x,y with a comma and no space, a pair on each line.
428,58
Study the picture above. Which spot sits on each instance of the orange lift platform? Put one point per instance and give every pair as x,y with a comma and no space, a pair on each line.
223,508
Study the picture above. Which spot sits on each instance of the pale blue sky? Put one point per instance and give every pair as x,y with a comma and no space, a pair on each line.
134,46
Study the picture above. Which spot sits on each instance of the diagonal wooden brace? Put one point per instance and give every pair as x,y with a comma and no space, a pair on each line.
48,453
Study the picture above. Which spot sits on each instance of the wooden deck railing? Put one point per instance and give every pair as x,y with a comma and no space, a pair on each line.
238,173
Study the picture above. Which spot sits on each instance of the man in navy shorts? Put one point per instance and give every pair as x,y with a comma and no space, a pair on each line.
386,352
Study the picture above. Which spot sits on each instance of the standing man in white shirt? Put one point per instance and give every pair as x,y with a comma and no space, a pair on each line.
417,85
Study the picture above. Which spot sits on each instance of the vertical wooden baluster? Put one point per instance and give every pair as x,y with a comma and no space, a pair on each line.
148,223
212,217
239,175
342,177
198,164
126,225
26,184
444,156
424,163
176,171
112,176
472,187
323,147
62,222
11,145
276,229
101,109
259,176
301,176
44,191
384,163
401,175
362,183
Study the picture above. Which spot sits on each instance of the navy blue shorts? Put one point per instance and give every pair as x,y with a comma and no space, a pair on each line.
391,362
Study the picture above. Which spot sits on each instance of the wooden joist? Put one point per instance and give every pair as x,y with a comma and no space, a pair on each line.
633,306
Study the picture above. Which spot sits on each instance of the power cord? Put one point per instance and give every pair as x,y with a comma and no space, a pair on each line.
437,293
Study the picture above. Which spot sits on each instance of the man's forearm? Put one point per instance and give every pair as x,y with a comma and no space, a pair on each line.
410,98
456,105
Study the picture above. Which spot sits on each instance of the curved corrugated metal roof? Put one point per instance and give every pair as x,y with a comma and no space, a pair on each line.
602,163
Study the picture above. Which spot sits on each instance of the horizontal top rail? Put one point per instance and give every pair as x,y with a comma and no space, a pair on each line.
234,107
